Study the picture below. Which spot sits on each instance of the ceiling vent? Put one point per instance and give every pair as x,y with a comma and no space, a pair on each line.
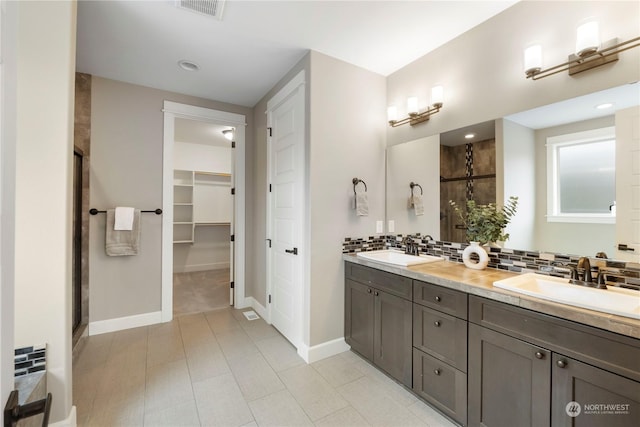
205,7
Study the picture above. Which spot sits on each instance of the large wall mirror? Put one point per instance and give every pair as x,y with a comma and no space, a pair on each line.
509,157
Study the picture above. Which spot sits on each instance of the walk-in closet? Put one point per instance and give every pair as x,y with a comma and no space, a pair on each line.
202,216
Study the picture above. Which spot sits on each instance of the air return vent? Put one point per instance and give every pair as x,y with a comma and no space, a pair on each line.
206,7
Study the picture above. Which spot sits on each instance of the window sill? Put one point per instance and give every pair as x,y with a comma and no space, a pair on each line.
583,219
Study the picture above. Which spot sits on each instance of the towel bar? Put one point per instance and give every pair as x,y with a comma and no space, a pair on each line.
94,211
355,182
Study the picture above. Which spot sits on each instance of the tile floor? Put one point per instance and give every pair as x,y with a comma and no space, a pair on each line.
219,369
200,291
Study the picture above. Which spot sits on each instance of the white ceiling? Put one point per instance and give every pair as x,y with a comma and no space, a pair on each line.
242,56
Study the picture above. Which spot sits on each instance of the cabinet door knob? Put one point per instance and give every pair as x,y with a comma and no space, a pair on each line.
438,299
369,291
561,364
437,323
376,293
436,371
539,355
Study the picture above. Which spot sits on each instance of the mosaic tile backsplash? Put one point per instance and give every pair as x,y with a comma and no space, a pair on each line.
31,359
619,273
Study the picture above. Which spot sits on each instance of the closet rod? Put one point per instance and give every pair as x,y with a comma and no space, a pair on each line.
94,211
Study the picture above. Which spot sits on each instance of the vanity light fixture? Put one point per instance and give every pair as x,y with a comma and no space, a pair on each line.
228,133
590,53
414,116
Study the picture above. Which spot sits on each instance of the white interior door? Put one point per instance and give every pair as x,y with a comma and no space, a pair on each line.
628,184
285,115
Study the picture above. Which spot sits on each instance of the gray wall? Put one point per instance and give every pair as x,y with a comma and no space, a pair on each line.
482,70
126,170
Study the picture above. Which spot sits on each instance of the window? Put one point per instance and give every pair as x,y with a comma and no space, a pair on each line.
581,169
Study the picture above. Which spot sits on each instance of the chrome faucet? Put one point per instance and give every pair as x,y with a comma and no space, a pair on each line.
411,246
584,264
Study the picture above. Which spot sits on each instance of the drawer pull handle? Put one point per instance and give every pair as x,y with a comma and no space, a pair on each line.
438,299
561,364
539,355
436,371
437,323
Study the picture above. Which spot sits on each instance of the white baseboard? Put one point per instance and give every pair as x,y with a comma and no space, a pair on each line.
322,351
121,323
225,265
70,421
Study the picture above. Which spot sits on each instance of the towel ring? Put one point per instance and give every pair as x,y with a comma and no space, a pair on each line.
355,182
414,184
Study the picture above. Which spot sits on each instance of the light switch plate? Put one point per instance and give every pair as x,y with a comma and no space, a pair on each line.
392,226
379,226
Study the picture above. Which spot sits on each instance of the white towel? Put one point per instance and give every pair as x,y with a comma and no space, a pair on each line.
418,205
362,204
124,219
122,242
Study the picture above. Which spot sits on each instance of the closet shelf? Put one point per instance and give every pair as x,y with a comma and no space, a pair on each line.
183,241
204,223
182,223
212,173
183,204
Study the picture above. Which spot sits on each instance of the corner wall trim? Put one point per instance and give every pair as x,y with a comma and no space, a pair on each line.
121,323
324,350
70,421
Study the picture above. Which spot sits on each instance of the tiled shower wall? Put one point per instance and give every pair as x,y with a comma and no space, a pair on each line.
620,273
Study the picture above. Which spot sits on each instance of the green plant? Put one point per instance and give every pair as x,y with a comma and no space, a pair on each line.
486,223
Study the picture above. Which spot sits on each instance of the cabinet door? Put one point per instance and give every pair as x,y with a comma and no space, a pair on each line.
509,381
441,385
392,336
592,389
358,319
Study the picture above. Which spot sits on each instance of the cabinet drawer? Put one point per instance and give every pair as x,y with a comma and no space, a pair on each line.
607,350
441,385
441,335
442,299
388,282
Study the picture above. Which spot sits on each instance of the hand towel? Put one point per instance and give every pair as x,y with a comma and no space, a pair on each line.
362,204
124,219
418,204
122,242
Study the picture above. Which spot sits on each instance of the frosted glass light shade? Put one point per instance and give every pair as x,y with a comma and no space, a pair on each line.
587,38
412,105
532,59
437,95
392,113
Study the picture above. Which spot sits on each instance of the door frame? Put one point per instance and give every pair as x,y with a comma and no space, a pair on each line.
297,83
173,110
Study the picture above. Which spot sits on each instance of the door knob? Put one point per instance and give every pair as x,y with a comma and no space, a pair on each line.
436,371
292,251
437,323
438,299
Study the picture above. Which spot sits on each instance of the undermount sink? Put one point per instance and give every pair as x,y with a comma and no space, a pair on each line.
398,257
614,300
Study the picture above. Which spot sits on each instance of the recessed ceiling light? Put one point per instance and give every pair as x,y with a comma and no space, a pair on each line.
188,65
470,136
604,106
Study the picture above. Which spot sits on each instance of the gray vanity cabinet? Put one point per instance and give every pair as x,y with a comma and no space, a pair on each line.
526,367
509,381
440,348
378,319
592,387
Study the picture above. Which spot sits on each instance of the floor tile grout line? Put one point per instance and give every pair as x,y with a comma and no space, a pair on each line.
186,360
